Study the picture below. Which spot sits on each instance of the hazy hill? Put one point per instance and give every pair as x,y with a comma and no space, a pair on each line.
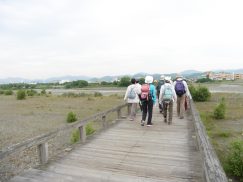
186,73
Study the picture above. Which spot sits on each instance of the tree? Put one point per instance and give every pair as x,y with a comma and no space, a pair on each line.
125,81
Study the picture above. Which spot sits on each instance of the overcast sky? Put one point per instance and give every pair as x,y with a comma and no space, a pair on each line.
46,38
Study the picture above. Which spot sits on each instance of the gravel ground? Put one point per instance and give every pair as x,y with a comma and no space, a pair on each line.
23,119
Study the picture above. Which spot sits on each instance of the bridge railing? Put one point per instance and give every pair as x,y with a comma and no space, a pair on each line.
213,170
37,151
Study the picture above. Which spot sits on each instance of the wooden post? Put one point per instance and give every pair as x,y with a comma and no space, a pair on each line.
119,113
43,153
82,132
104,121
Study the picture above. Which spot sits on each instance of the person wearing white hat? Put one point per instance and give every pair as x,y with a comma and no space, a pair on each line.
182,91
166,98
148,99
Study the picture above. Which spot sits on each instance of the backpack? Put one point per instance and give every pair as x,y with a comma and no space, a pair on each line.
179,88
145,92
160,83
168,93
132,93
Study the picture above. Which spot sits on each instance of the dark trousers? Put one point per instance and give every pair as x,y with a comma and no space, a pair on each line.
147,107
168,107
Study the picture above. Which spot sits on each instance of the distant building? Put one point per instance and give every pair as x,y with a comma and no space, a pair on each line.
223,76
238,76
63,81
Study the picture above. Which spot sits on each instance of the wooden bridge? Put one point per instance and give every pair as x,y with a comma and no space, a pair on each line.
128,152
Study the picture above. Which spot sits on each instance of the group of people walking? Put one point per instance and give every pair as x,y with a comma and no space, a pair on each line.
164,90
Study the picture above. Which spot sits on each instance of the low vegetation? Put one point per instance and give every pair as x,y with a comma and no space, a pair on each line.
220,109
199,93
224,126
40,114
21,94
71,117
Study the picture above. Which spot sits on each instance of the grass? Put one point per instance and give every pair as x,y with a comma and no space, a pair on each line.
23,119
223,132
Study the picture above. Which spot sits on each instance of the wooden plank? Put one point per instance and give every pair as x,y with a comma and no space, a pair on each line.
130,152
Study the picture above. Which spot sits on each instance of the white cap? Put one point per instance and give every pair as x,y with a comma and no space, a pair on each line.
167,78
162,77
149,79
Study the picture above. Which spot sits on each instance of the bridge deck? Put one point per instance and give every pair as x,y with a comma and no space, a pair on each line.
129,152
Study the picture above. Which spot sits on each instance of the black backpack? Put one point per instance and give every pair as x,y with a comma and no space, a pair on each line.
160,83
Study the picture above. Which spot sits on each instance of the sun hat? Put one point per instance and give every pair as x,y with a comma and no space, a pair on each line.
167,78
178,76
149,79
162,77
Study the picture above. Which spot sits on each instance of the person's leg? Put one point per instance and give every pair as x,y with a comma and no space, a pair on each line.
178,106
133,111
170,111
165,111
144,114
182,106
150,112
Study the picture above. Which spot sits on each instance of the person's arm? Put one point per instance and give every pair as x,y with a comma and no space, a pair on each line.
174,93
187,90
161,93
154,96
125,97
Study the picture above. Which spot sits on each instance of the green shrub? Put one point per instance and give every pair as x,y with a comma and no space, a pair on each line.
1,92
75,136
234,161
97,94
31,92
71,117
71,94
219,111
8,92
89,129
200,94
43,91
21,95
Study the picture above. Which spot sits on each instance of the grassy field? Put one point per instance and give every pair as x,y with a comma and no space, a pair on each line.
23,119
223,132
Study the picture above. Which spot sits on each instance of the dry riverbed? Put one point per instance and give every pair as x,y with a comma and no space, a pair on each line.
23,119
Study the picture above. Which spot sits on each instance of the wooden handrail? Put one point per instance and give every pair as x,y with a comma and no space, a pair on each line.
42,140
213,170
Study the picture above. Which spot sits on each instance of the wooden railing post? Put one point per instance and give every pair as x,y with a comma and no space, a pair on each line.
119,113
82,132
104,121
43,152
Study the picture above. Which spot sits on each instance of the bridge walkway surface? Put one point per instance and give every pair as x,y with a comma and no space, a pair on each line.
129,152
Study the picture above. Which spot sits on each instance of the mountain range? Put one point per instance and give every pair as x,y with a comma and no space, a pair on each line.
186,73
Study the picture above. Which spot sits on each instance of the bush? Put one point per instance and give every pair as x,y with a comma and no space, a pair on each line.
21,94
71,117
43,91
97,94
234,161
8,92
31,92
1,92
200,94
219,111
89,129
75,136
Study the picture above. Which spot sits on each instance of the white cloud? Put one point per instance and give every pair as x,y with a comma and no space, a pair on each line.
95,38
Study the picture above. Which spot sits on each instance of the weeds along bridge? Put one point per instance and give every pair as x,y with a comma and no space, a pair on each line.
124,152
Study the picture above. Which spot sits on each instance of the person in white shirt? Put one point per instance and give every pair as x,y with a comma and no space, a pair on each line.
166,98
131,97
